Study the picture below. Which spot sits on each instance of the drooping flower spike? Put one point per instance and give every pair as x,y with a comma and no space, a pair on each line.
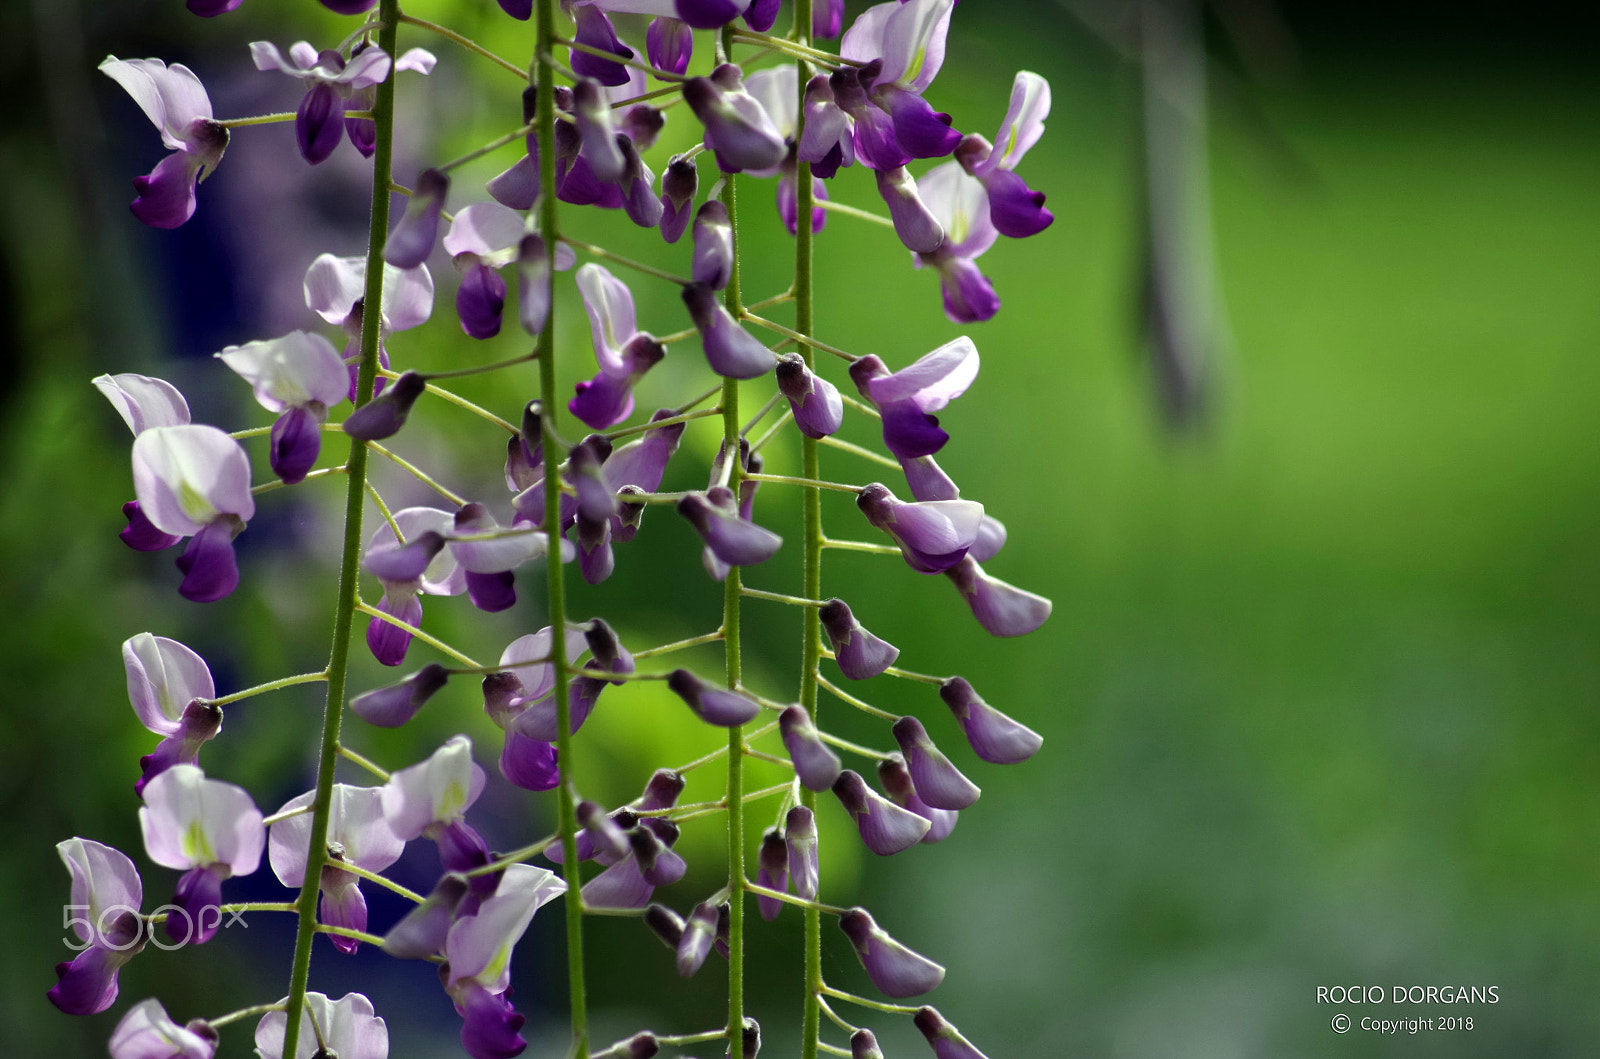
348,1026
194,481
206,828
334,85
298,376
106,888
148,1032
173,98
360,835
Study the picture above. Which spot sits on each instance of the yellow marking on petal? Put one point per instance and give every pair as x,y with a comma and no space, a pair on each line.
452,802
195,846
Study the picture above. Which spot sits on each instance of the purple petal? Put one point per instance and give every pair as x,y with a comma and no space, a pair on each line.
921,130
731,351
699,932
595,30
490,1025
816,766
529,763
714,705
761,14
412,239
969,297
863,1045
363,132
88,984
991,538
895,779
1014,208
816,404
199,899
995,737
927,481
909,432
894,969
620,886
593,113
885,827
147,1032
319,123
731,539
917,228
404,562
800,836
518,187
947,1042
296,442
480,298
211,8
384,415
1002,609
210,571
710,14
393,706
343,906
938,782
738,130
639,200
933,535
773,872
669,43
388,642
166,197
349,7
859,653
423,931
533,285
492,593
521,10
461,848
200,724
827,17
141,534
713,246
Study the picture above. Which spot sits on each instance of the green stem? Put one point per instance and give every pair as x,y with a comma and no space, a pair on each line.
809,483
470,45
259,119
244,1013
779,597
271,685
865,453
555,573
797,336
355,758
851,211
626,262
427,638
349,567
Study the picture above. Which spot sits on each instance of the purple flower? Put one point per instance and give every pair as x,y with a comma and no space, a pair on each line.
738,129
772,872
208,828
933,535
719,706
818,409
713,246
595,30
334,86
710,14
194,481
914,223
958,202
422,931
107,890
486,550
669,43
816,766
166,684
1002,609
800,836
431,798
678,187
412,239
1015,209
859,653
336,286
298,376
143,402
484,238
886,828
623,352
828,140
384,415
397,566
995,737
895,779
174,99
699,932
946,1039
148,1032
731,539
358,832
393,705
731,351
907,398
349,1027
478,954
938,782
909,40
894,969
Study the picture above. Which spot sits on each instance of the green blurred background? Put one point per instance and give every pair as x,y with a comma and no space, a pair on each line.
1319,689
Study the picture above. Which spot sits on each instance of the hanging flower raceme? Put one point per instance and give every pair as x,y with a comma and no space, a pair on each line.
336,286
348,1028
358,834
1015,209
194,481
907,398
298,376
933,535
623,352
334,85
957,201
478,955
210,830
148,1032
167,683
174,99
431,798
421,565
1002,609
106,888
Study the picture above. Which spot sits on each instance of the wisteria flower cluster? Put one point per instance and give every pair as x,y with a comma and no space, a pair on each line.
573,510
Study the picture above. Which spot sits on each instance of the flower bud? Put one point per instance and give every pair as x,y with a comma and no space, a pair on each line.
665,924
859,653
731,351
404,562
772,872
863,1045
995,737
699,932
1002,609
895,779
662,791
713,246
946,1040
533,283
818,408
384,415
394,705
800,835
421,933
412,239
593,112
733,540
885,827
815,765
933,535
678,187
714,705
894,969
939,783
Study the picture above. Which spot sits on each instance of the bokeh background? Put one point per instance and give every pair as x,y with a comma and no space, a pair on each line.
1319,691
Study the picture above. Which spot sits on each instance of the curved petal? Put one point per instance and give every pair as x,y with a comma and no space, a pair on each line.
143,401
185,476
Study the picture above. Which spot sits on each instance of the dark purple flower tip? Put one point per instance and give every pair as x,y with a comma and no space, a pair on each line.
480,296
921,130
800,836
199,900
384,415
709,14
917,228
603,401
669,44
421,933
342,906
621,885
319,123
773,872
733,540
712,704
827,18
1014,208
296,442
713,246
699,932
818,408
642,125
895,779
680,182
394,705
412,239
859,653
388,642
642,1045
662,791
490,1025
501,692
211,8
761,14
938,782
521,10
200,723
815,765
652,849
606,648
885,827
210,571
492,593
88,983
141,534
863,370
665,924
529,763
595,30
995,737
863,1045
639,199
605,836
969,297
749,1039
947,1042
894,969
404,562
1002,609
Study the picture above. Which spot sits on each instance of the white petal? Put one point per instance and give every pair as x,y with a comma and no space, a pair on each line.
144,402
185,476
163,676
290,371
